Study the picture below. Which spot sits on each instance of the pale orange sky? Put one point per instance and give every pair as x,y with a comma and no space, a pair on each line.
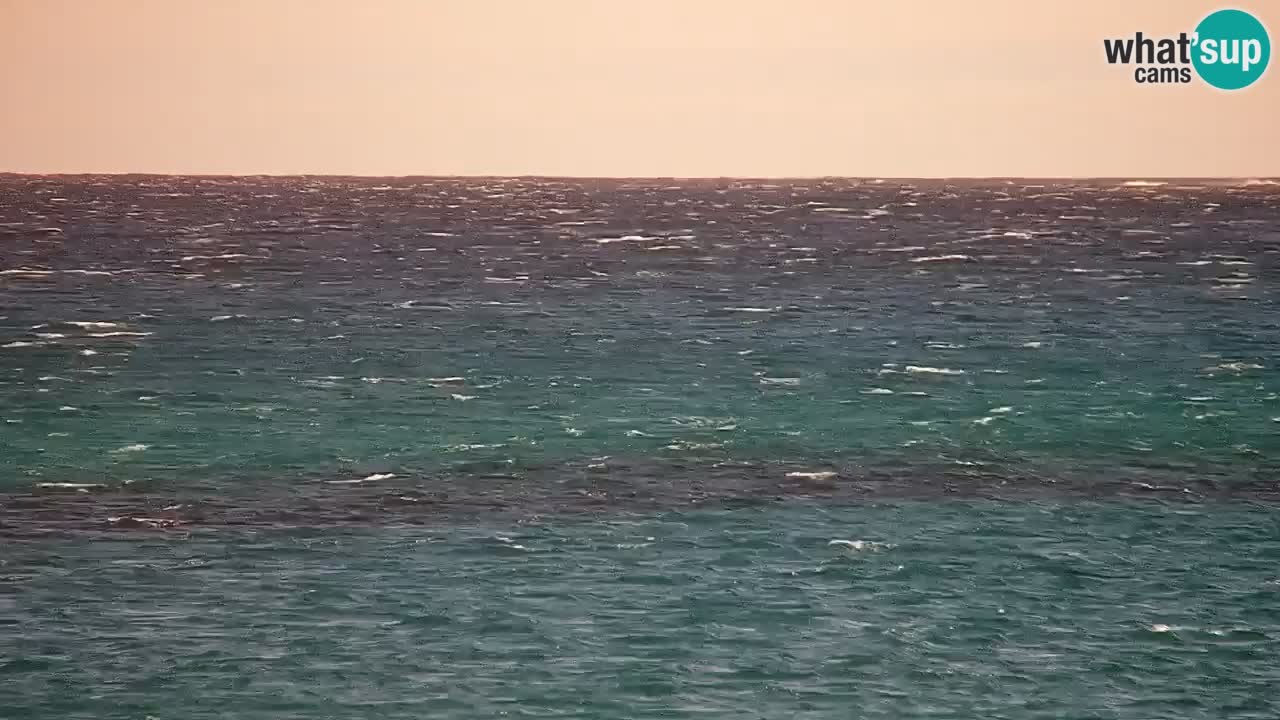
893,88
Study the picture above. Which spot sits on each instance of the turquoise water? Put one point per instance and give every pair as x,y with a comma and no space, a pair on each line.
301,447
953,609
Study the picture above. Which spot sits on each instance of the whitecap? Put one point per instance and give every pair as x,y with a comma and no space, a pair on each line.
508,542
625,238
925,370
812,475
224,256
1235,367
92,325
370,478
468,447
136,447
943,258
859,545
81,487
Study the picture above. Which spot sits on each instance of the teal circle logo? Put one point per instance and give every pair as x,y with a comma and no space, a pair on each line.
1231,49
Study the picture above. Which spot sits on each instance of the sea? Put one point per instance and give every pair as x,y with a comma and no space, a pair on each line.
336,447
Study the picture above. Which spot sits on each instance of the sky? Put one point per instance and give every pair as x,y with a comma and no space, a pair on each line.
652,88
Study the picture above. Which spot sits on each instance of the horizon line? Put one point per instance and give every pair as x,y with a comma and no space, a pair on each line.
536,176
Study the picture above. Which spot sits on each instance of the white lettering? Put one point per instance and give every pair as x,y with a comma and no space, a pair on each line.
1252,54
1209,51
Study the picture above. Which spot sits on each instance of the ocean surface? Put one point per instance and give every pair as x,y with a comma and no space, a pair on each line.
477,448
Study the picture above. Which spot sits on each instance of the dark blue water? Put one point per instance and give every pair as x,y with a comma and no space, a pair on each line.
334,447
